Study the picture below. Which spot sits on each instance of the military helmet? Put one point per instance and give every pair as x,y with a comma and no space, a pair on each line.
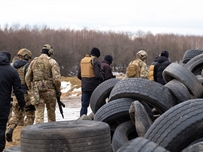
49,48
142,55
25,54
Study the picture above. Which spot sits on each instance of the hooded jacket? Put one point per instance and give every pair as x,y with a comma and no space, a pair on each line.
162,63
107,70
9,79
21,66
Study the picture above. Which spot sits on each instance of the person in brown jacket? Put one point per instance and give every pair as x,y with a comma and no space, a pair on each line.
106,67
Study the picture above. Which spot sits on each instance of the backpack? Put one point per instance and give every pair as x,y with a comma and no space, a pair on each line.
41,69
133,69
151,72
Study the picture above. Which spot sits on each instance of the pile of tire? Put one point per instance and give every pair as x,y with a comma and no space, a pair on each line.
131,115
164,117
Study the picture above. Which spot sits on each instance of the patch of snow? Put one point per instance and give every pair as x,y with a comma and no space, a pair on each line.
65,86
70,113
77,90
73,95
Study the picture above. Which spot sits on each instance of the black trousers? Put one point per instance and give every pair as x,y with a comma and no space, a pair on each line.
4,113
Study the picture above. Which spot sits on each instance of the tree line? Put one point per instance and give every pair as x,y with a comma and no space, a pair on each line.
71,45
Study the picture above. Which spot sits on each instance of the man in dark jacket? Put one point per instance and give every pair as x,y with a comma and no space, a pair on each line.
162,63
106,68
9,79
90,74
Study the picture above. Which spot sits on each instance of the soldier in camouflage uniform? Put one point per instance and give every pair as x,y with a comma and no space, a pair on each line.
138,67
43,77
21,122
21,65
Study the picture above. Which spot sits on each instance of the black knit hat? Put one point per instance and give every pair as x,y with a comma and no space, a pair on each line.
95,52
165,53
108,58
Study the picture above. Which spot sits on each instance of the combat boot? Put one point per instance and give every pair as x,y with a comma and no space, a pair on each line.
9,135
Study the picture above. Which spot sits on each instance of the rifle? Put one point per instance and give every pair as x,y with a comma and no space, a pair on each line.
60,104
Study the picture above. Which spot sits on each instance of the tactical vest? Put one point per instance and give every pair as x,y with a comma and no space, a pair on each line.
133,69
87,70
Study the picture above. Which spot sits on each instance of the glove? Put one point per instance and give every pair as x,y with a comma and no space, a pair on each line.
58,94
30,108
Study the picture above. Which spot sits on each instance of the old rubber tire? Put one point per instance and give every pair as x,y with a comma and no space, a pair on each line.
13,149
153,93
142,119
179,90
190,54
182,74
114,112
123,133
101,93
200,78
174,129
141,144
198,147
195,65
77,136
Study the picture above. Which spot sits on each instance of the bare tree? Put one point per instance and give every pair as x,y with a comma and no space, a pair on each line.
71,45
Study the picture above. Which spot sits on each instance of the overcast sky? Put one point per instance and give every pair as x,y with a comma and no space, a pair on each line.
177,17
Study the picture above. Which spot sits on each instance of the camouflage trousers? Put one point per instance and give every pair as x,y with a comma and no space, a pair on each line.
48,99
18,114
10,114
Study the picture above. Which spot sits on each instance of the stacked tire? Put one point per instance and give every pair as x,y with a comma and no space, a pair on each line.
67,136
